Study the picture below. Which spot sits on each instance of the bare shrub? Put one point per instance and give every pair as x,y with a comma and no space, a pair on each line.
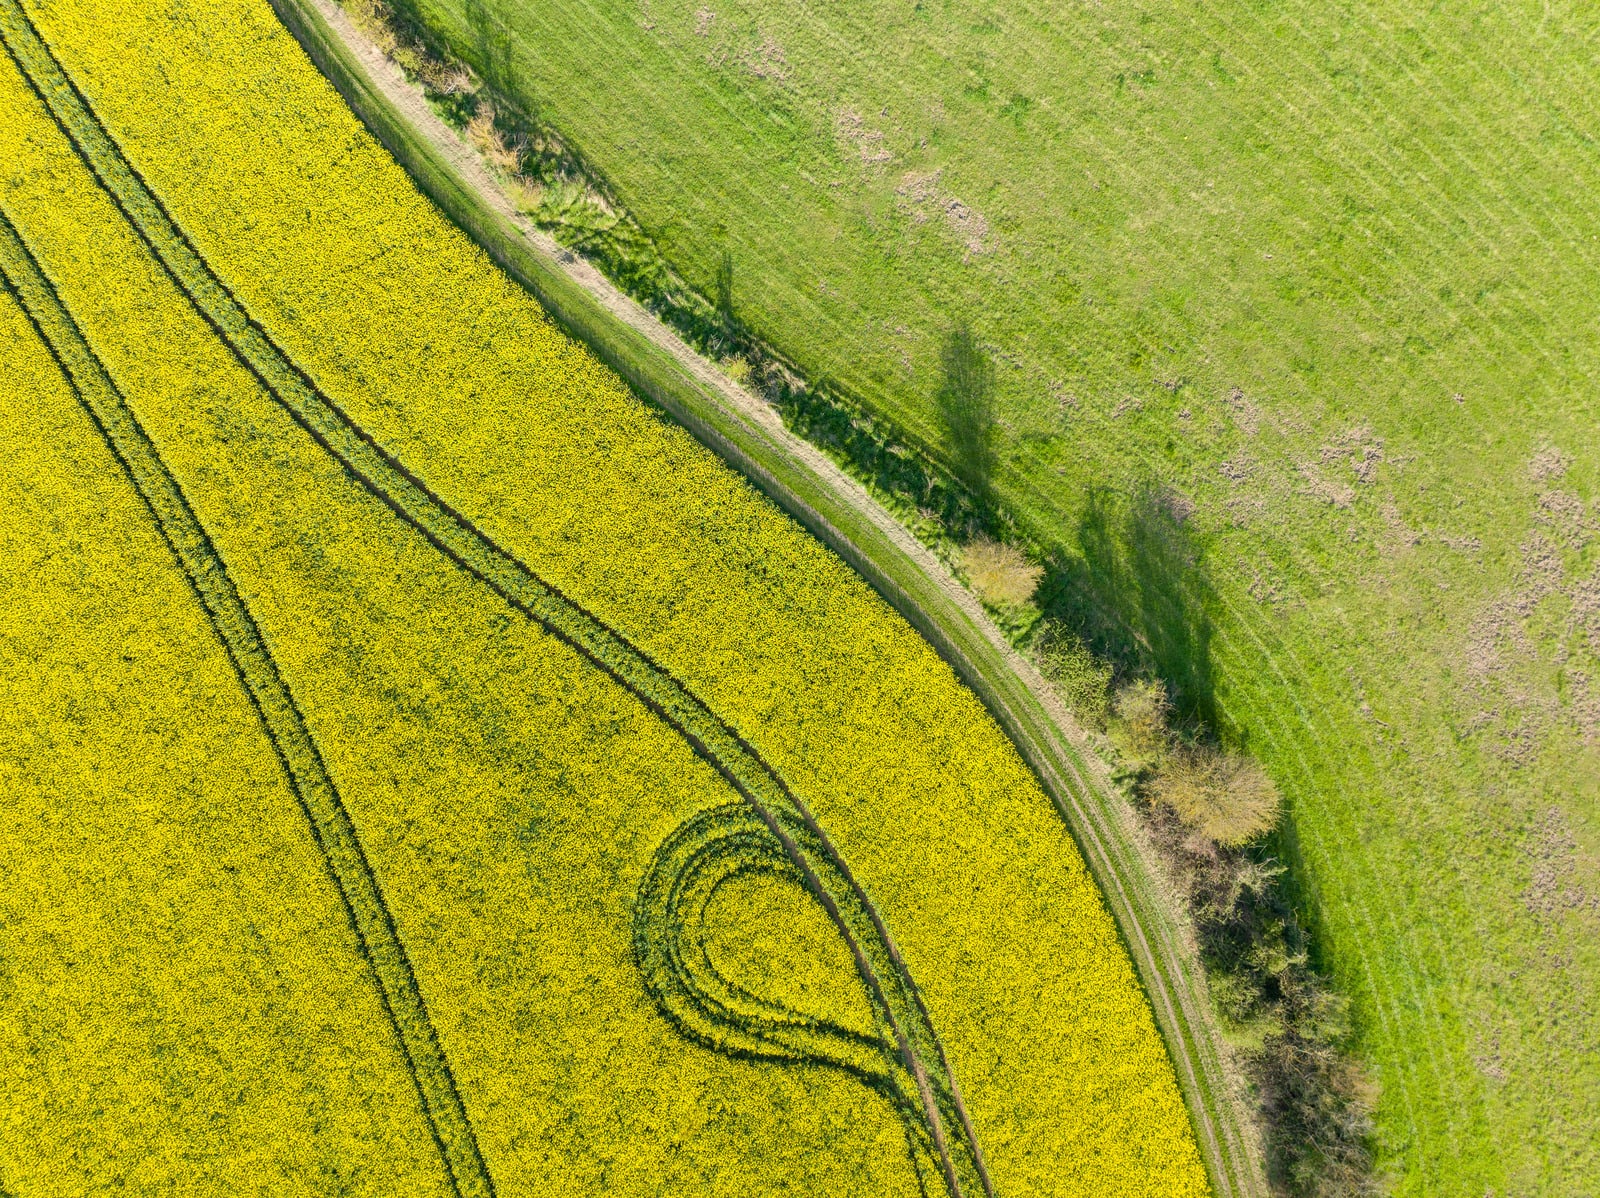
1227,797
1317,1099
1000,573
451,79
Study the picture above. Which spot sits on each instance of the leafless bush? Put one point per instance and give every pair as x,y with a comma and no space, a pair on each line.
1226,796
1141,731
1000,573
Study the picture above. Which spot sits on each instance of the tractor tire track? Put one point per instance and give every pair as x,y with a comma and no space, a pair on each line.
708,849
331,827
877,959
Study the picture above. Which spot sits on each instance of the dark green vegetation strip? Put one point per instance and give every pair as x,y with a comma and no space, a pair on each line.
1172,977
302,764
895,995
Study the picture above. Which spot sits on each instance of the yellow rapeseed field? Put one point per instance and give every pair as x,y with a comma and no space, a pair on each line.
181,1004
438,557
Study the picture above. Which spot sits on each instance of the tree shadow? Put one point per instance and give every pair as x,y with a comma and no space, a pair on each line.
723,289
1137,594
966,407
490,49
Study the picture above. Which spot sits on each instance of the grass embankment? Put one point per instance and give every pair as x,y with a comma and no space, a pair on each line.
1293,366
376,434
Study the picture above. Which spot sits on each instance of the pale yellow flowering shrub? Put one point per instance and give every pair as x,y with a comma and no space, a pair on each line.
1000,573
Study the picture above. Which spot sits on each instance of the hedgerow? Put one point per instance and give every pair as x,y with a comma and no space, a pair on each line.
1210,814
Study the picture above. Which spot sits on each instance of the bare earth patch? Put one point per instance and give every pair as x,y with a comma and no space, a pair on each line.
919,197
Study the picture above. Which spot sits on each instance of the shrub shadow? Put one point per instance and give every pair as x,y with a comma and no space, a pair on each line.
1137,593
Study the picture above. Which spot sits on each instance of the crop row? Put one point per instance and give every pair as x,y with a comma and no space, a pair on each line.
285,727
895,995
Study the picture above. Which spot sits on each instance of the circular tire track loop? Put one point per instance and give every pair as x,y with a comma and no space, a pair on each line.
705,851
877,959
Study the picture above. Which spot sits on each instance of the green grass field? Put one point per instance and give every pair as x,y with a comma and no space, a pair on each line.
1294,314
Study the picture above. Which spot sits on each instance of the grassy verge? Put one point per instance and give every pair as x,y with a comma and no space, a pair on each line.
1079,784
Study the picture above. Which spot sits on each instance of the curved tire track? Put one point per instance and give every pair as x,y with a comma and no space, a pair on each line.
706,850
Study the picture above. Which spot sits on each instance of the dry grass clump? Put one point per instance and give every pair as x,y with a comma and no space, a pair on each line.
504,153
525,195
1000,573
1227,797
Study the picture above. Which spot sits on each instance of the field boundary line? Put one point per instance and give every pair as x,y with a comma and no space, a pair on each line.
331,826
748,434
364,460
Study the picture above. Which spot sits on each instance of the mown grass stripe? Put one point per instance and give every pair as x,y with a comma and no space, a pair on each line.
385,477
297,753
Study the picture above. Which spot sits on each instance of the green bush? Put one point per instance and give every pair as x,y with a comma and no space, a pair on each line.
1082,679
